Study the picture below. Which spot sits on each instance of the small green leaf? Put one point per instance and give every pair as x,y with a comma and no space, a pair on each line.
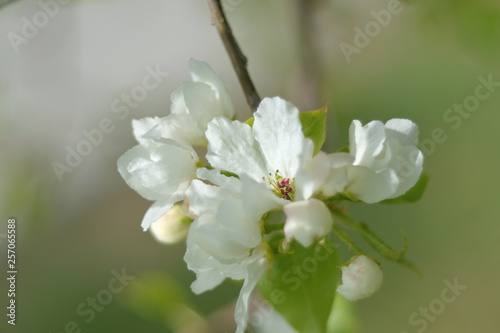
301,286
413,195
344,149
314,127
250,121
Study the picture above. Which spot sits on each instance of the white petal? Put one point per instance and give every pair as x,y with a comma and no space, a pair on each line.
226,243
312,176
210,272
278,130
183,129
337,179
231,147
411,164
202,72
258,198
204,198
366,142
142,126
178,106
370,186
208,275
306,221
207,280
159,172
243,230
160,208
404,130
255,271
201,100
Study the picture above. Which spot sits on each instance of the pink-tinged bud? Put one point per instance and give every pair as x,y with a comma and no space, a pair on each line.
360,279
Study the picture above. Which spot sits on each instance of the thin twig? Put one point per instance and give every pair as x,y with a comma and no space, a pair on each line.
238,59
307,34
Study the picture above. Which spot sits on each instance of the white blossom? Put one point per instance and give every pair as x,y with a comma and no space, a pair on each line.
225,240
383,161
193,105
161,172
274,152
360,279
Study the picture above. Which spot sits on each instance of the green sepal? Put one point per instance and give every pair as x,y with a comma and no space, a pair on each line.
301,286
229,174
413,195
250,121
344,149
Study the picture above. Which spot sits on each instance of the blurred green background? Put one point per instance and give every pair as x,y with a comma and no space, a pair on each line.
73,233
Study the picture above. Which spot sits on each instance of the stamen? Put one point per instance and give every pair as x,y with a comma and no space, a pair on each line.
282,187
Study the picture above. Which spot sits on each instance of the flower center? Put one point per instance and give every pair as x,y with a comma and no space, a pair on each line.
281,186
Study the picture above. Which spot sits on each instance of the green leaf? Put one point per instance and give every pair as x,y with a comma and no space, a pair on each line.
250,121
301,286
413,195
314,127
344,149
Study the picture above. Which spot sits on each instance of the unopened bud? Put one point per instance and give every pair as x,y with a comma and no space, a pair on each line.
172,227
360,279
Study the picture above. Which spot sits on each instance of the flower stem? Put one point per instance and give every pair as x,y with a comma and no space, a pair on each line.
377,243
238,59
346,239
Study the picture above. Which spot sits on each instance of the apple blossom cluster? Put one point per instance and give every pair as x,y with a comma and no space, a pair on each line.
269,163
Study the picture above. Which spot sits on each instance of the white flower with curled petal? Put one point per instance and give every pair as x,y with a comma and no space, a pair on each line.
193,105
273,151
383,162
225,240
360,279
161,172
387,162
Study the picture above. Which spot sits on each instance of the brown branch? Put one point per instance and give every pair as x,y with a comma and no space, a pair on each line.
238,59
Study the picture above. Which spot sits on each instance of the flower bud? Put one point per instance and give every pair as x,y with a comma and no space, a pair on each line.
360,279
172,227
